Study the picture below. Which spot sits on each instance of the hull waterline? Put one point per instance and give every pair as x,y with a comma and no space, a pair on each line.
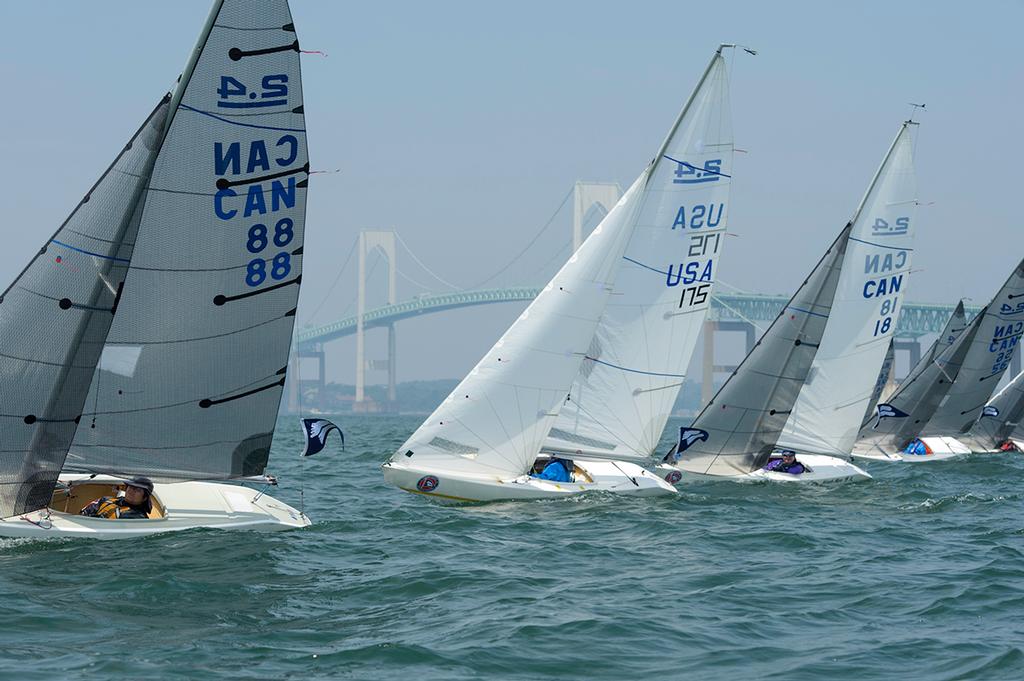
939,449
821,469
185,506
616,477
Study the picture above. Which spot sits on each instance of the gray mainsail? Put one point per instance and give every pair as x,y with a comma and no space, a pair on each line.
917,398
746,417
986,361
195,361
955,325
55,317
1001,418
884,374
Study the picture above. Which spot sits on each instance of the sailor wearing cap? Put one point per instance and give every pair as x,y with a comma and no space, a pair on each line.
787,464
135,504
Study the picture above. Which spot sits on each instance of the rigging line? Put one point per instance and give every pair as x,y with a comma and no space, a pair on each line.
425,268
529,245
337,278
610,432
739,314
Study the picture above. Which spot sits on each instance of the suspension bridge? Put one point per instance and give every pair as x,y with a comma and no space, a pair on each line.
730,312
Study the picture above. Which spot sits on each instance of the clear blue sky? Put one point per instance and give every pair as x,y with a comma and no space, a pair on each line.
463,124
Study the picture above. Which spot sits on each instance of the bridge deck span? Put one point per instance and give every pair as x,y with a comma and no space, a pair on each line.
915,320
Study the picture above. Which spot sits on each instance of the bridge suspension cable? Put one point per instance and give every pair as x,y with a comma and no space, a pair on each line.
528,246
330,289
425,268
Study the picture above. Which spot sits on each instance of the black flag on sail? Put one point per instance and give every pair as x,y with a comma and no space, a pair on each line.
316,431
888,411
687,436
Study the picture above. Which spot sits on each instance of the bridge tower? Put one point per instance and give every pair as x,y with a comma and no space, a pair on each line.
369,240
591,202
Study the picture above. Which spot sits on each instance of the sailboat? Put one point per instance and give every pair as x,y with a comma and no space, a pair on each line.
804,387
648,267
933,388
149,336
999,427
899,420
932,434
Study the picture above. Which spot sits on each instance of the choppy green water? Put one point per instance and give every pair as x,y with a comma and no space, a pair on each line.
918,574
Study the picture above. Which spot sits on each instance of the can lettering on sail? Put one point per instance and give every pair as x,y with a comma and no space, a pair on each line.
274,158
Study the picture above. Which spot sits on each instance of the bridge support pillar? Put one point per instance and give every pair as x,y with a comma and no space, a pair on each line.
707,383
392,357
591,202
294,378
911,346
368,241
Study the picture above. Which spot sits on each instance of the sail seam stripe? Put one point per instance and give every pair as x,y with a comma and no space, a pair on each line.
244,125
82,250
693,167
872,243
800,309
634,371
230,268
265,192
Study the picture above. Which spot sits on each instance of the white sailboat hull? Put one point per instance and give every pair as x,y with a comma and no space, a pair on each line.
822,469
942,448
187,506
616,477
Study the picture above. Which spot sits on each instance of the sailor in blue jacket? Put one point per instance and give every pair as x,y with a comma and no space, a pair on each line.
559,470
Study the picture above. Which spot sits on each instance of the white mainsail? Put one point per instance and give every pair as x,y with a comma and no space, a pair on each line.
495,420
742,423
829,412
990,353
195,361
637,360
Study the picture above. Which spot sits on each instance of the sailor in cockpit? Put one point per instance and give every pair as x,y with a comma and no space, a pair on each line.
787,464
558,470
135,504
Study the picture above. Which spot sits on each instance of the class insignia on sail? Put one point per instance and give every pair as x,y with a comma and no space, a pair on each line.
316,431
885,411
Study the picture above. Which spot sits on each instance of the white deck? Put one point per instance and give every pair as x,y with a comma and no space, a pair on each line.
187,505
617,477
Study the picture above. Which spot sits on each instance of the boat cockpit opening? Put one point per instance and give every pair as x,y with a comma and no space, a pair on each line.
72,498
578,474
